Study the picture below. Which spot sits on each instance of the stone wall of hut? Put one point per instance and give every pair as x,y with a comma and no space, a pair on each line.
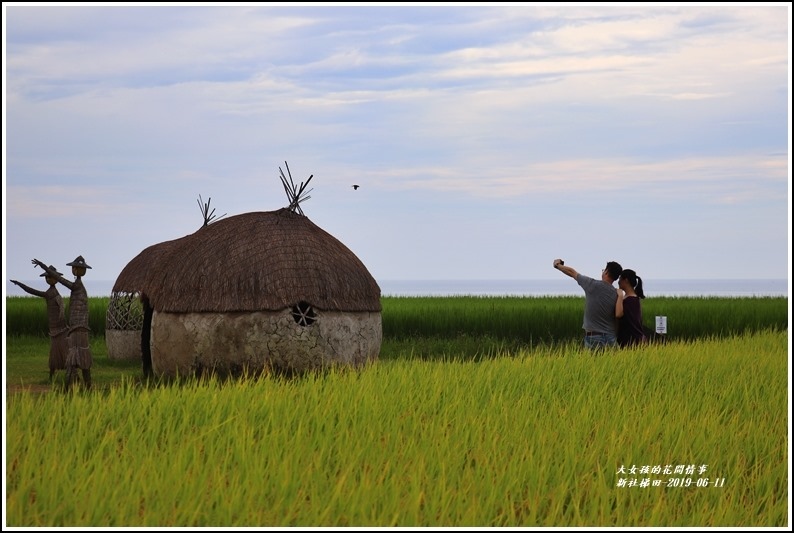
123,344
182,343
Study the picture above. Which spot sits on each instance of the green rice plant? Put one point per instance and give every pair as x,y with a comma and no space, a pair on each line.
691,318
541,437
526,320
27,315
543,320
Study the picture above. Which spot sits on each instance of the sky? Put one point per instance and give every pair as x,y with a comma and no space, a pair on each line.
486,140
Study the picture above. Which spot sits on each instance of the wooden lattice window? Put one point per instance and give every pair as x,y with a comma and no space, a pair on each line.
125,312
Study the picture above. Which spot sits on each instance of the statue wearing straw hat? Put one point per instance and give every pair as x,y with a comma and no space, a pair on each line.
59,342
79,349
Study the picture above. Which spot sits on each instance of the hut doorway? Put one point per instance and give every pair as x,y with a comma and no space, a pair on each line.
146,335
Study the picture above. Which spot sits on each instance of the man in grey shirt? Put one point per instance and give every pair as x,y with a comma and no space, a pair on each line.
600,326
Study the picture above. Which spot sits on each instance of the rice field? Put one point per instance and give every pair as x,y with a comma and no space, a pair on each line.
529,320
691,433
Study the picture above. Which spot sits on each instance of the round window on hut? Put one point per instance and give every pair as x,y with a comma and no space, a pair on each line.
304,314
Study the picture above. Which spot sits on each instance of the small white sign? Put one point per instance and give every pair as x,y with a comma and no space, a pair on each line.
661,325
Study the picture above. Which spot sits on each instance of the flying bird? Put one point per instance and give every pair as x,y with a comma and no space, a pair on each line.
355,187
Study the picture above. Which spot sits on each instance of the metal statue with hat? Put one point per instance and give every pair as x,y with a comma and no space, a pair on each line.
79,348
59,342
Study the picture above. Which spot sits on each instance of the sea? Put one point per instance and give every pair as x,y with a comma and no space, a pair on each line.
734,288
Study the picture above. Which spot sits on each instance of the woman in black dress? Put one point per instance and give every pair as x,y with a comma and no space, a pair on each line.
628,309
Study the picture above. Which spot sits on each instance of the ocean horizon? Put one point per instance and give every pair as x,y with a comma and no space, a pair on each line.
518,287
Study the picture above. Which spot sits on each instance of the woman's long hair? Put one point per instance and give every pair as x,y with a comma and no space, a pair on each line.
634,280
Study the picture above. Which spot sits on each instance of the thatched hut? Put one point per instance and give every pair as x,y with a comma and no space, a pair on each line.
256,291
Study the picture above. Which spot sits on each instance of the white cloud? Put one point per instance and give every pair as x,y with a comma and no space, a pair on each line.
59,202
692,177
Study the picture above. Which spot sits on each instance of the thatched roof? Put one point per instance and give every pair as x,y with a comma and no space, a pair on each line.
133,276
255,262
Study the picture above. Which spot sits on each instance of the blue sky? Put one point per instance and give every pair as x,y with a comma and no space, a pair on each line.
486,140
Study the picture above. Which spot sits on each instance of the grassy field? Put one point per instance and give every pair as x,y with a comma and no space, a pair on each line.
455,429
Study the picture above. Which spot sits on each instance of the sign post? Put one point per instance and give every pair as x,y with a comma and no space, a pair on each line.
661,325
